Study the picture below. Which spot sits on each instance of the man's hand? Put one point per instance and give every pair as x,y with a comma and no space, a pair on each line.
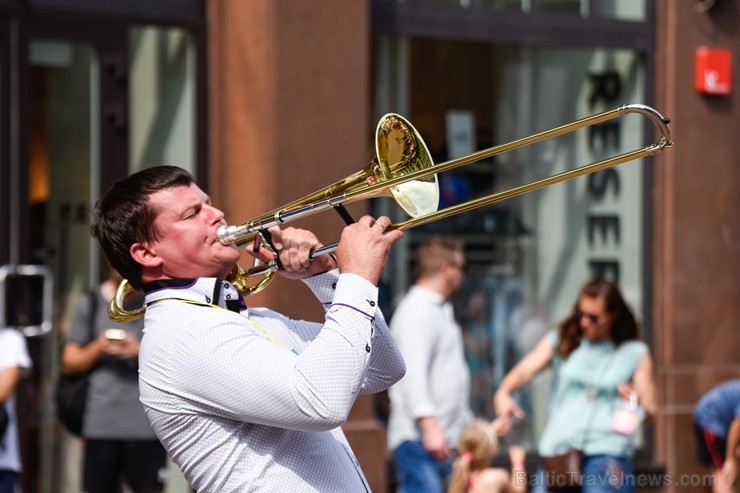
363,250
364,246
125,348
433,438
294,248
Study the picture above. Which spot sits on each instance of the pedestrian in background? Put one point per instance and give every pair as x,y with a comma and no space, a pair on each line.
119,441
599,367
430,405
717,425
14,364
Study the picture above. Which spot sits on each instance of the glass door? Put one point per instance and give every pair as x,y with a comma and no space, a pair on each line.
68,96
67,131
64,151
64,155
80,135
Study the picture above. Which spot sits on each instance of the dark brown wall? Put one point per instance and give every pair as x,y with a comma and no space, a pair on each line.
288,92
288,104
696,251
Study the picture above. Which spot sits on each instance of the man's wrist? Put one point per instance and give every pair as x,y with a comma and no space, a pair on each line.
426,423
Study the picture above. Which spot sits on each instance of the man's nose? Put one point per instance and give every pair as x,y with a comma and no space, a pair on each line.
216,212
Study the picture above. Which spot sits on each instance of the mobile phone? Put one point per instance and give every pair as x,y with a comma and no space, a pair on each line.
115,334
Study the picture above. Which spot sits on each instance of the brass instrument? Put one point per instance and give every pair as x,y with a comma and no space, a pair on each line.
403,169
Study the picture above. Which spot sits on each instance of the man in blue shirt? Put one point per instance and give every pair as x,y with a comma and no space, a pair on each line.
717,425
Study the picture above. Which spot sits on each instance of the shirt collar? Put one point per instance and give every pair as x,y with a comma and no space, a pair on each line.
432,296
209,290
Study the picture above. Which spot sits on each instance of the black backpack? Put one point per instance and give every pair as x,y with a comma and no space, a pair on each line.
4,420
70,394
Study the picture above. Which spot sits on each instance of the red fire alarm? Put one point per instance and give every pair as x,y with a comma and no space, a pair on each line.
713,70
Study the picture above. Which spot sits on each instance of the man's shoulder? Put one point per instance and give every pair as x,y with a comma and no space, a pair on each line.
419,294
413,302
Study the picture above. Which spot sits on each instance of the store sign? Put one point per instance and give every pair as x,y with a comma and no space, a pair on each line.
604,224
713,70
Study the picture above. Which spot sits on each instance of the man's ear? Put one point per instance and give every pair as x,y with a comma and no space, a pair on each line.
143,254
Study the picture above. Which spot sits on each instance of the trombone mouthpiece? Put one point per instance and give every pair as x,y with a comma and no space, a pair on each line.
227,234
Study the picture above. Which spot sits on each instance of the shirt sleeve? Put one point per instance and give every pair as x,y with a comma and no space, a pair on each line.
240,374
413,330
386,365
13,350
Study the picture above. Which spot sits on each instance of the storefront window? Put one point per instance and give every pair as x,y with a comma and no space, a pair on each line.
529,255
626,10
63,156
162,98
565,6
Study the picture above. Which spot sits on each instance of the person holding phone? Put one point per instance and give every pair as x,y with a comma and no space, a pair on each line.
119,441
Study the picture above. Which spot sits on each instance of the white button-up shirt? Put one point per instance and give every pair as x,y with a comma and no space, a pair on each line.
253,401
437,381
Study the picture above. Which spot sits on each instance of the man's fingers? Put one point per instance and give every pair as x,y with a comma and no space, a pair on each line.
276,237
296,254
383,222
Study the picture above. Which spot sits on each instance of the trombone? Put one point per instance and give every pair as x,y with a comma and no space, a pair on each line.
403,169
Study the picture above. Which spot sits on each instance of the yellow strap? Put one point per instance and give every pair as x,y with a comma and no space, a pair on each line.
202,303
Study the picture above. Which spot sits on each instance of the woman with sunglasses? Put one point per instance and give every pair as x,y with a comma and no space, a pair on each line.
602,388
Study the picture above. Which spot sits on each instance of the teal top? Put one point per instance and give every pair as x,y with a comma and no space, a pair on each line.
584,397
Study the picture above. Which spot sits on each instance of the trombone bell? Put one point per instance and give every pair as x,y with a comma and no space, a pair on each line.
400,150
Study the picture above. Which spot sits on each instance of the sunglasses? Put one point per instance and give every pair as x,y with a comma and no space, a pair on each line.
591,317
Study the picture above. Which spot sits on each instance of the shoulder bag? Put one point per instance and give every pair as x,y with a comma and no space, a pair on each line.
70,394
4,421
565,471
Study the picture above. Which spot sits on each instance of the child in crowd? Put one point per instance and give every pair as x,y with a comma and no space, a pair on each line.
472,472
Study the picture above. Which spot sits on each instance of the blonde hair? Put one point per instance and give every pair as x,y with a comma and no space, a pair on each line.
477,446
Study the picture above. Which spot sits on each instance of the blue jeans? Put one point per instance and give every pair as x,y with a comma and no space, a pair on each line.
607,474
601,474
417,471
7,481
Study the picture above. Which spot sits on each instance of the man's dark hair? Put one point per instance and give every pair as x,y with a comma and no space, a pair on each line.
122,216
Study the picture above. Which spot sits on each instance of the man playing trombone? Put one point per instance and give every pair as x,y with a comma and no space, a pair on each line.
246,399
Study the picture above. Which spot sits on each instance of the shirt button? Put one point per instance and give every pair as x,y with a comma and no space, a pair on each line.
208,300
367,348
228,296
372,303
334,285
